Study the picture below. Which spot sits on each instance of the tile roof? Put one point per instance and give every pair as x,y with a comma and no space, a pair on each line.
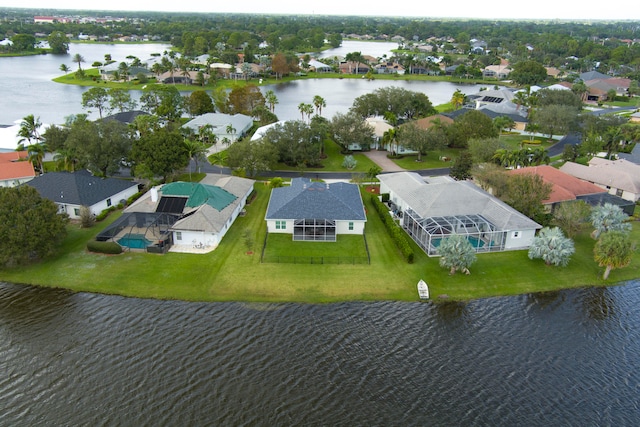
306,199
565,186
620,174
78,188
13,165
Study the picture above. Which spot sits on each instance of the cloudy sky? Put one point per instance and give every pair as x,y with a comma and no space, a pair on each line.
543,9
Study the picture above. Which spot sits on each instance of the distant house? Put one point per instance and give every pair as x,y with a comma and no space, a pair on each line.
184,216
72,190
226,127
125,117
389,68
635,118
315,211
432,210
380,127
619,177
319,67
499,72
351,67
15,169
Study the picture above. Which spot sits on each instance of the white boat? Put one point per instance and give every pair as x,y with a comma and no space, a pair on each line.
423,289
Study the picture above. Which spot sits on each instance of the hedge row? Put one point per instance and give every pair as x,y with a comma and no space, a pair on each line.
397,234
111,248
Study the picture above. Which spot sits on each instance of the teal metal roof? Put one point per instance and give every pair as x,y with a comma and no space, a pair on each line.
199,194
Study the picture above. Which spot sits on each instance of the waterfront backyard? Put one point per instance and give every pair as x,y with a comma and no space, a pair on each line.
233,272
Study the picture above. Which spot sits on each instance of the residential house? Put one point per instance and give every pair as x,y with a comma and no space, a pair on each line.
316,211
499,72
619,177
15,169
388,67
431,209
227,128
72,190
380,127
351,67
567,188
495,103
319,67
184,216
125,117
635,117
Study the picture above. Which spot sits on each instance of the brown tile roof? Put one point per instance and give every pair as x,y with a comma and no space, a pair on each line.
11,166
565,187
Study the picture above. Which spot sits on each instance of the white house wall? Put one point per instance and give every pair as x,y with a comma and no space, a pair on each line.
342,227
189,238
271,226
522,241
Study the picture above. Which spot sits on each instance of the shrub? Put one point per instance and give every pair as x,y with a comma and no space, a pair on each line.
111,248
397,234
134,197
86,217
105,213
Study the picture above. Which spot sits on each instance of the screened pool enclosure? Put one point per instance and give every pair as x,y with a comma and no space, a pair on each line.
428,233
316,230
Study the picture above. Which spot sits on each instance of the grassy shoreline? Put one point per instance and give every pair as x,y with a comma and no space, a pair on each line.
230,273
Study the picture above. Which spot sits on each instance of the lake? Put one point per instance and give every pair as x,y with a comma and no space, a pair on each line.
561,358
27,85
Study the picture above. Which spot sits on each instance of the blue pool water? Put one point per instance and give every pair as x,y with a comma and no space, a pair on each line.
475,242
134,241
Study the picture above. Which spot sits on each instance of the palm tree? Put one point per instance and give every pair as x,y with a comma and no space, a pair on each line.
613,250
30,129
520,99
65,69
457,99
231,130
66,159
456,253
123,70
196,151
608,217
36,155
319,102
552,247
78,59
271,99
305,108
219,158
389,138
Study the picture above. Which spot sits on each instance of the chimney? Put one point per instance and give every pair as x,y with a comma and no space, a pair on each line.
154,194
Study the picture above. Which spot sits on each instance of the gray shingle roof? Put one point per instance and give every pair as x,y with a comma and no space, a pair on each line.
306,199
78,188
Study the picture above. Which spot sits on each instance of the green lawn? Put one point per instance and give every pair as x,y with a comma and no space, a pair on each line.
346,247
230,273
430,160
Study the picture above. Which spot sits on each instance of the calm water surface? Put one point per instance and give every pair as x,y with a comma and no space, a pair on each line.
27,87
565,358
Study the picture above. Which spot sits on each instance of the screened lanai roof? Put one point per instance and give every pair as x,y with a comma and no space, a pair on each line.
458,224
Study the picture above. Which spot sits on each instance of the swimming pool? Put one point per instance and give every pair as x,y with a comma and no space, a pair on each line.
475,242
134,241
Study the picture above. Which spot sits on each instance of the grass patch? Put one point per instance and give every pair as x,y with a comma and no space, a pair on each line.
230,274
348,246
431,160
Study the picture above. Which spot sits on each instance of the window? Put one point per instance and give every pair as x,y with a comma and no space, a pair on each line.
516,234
178,235
619,192
76,211
350,226
108,202
281,225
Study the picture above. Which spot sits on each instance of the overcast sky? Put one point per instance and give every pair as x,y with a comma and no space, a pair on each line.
542,9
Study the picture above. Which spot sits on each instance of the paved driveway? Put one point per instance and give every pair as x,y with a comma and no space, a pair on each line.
380,158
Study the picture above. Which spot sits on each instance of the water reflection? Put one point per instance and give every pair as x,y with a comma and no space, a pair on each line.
546,300
598,303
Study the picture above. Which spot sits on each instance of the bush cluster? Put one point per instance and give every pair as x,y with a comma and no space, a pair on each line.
398,235
105,213
111,248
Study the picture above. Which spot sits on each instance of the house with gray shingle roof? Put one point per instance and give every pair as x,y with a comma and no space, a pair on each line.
72,190
432,210
316,211
226,127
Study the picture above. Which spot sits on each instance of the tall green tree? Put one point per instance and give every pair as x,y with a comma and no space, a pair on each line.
252,156
162,101
29,130
350,128
30,226
96,97
198,103
525,193
159,153
78,59
120,100
613,250
58,42
411,136
461,168
571,216
319,103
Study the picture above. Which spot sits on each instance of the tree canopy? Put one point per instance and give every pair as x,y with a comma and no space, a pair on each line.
30,226
403,103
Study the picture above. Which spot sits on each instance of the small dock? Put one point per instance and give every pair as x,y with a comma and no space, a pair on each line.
423,289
